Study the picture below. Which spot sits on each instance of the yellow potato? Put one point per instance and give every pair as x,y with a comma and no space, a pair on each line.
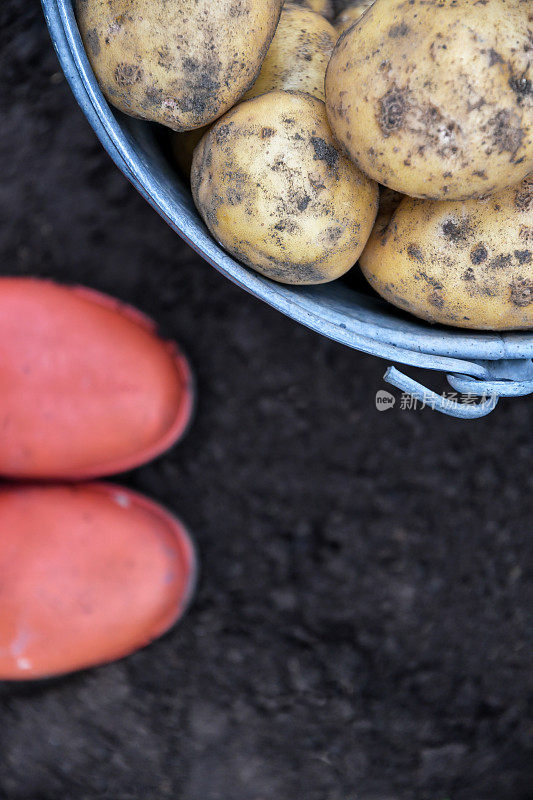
179,62
182,148
351,14
467,263
299,54
277,193
389,200
324,7
434,98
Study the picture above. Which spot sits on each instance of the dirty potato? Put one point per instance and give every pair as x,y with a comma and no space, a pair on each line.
299,54
324,7
349,15
468,264
277,193
182,148
434,98
180,62
389,200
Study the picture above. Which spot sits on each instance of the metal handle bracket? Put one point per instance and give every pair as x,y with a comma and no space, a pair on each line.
505,378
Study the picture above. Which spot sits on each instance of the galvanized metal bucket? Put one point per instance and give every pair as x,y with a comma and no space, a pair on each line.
482,365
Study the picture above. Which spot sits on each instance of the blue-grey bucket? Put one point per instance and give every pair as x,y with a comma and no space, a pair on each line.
479,365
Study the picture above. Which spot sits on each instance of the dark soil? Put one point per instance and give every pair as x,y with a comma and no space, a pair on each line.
362,629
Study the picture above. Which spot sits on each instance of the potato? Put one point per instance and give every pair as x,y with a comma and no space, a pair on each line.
180,62
296,59
277,193
182,148
299,54
389,200
351,14
468,264
434,98
324,7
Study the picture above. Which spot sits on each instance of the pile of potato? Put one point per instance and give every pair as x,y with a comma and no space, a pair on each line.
295,130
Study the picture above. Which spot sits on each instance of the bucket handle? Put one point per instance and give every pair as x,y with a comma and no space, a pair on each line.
506,378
